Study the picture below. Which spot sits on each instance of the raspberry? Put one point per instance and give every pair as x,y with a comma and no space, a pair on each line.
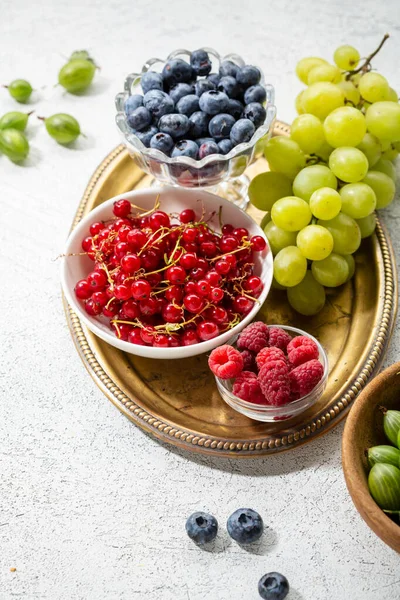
305,377
254,337
225,362
303,354
249,362
275,383
278,338
247,387
267,354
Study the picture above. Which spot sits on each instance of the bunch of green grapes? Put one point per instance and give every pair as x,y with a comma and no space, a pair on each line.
328,178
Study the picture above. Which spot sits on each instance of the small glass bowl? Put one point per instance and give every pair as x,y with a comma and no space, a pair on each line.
270,414
185,171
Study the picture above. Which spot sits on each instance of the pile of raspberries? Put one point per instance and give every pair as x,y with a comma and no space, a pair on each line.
269,366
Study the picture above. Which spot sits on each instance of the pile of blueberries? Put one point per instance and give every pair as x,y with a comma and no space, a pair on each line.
188,111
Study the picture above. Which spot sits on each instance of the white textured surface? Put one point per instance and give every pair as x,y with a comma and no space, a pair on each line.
90,506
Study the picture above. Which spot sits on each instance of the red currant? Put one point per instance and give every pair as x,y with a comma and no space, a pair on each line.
231,259
96,227
137,238
147,334
207,330
87,244
135,338
216,294
144,222
228,243
190,234
154,279
193,303
120,223
100,298
122,208
172,313
190,287
258,243
174,341
111,309
190,337
213,277
226,229
222,266
197,273
253,284
188,261
83,290
203,264
149,306
176,274
187,216
92,308
130,263
190,247
130,309
242,305
103,235
158,219
122,291
240,233
141,289
121,249
209,249
122,331
175,293
150,259
203,287
174,234
160,341
123,233
97,280
219,315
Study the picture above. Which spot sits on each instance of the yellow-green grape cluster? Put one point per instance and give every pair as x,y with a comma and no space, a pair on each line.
328,178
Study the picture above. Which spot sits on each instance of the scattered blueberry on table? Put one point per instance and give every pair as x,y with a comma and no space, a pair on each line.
202,527
245,526
273,586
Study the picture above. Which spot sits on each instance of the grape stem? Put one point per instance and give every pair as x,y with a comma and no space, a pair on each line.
366,66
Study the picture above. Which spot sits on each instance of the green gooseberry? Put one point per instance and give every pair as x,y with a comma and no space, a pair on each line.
20,90
14,120
14,144
62,127
76,75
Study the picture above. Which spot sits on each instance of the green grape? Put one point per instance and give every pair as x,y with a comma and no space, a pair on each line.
276,285
385,166
371,147
383,120
20,90
332,271
315,242
14,144
266,188
15,120
346,57
308,132
325,151
305,65
284,155
291,213
391,153
351,263
324,73
345,126
348,164
290,266
279,238
322,98
373,87
383,186
367,225
325,203
76,75
311,179
62,127
265,220
308,297
358,200
345,232
350,91
393,96
299,103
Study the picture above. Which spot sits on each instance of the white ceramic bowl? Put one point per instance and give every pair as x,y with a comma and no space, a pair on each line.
173,200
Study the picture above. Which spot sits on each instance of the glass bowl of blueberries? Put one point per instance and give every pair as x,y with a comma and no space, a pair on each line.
196,119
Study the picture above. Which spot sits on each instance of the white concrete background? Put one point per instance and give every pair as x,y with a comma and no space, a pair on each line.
91,507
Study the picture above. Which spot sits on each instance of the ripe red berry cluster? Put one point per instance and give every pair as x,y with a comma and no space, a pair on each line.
168,280
269,367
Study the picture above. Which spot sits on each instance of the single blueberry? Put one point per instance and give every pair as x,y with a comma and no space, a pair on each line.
163,142
256,113
208,148
214,78
204,140
175,125
242,131
273,586
235,108
225,146
185,148
158,103
198,124
214,102
139,119
245,526
228,68
200,62
188,105
180,90
132,103
220,126
202,527
146,135
203,85
151,81
177,71
229,85
248,75
255,93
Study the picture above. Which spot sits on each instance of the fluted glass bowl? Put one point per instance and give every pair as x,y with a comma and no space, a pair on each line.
185,171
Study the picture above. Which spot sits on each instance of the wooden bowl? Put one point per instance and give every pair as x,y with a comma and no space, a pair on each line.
364,428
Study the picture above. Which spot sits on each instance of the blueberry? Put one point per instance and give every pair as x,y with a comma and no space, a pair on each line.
273,586
177,71
214,102
208,148
132,103
146,135
220,126
139,119
200,62
229,85
175,125
255,93
203,140
245,526
188,105
228,68
203,85
256,113
225,146
198,124
235,108
214,78
158,103
202,527
242,131
185,148
180,90
248,75
151,81
162,142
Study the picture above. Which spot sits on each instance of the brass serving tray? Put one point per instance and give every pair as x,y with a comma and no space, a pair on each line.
178,402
